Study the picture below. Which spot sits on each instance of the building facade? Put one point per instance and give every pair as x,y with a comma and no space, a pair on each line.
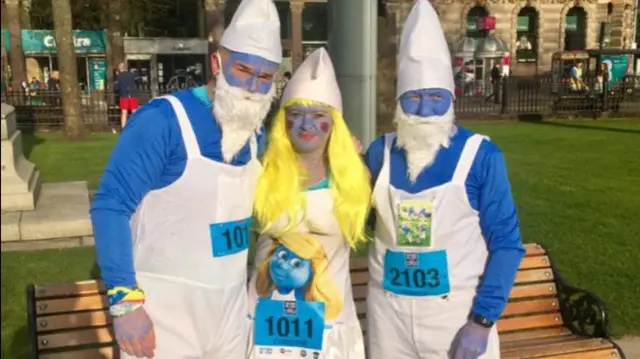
532,29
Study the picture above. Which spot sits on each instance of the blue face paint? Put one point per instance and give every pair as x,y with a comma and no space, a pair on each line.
250,72
288,271
426,102
308,127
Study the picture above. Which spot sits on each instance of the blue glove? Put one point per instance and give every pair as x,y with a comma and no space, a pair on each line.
134,333
470,342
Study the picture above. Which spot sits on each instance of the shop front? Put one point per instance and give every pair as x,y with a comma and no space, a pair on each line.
166,64
40,51
473,60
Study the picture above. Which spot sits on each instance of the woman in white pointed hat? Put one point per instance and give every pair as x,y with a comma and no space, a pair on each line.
173,211
312,202
447,243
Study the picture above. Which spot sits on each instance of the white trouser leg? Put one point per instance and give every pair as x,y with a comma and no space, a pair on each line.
170,305
389,332
193,321
436,323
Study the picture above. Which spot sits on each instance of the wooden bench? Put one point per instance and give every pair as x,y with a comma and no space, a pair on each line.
545,317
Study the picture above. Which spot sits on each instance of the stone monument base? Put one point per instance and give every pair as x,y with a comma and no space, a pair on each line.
62,212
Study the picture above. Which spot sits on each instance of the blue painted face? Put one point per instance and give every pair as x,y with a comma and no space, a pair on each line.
426,102
308,127
288,271
250,72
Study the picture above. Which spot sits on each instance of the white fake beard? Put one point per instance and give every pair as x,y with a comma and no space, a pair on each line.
422,138
239,113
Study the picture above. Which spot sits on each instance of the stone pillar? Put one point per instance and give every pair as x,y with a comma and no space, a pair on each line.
296,33
20,179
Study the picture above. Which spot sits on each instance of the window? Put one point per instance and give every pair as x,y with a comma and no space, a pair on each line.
575,37
315,22
527,35
473,15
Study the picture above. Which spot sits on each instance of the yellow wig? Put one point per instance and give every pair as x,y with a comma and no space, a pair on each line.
280,189
320,288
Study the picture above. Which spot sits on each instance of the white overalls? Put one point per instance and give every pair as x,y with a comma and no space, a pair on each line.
342,337
404,326
196,286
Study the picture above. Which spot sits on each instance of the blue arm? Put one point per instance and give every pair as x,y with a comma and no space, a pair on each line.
374,158
135,167
501,229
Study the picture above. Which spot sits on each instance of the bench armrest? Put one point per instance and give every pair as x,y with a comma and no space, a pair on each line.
583,312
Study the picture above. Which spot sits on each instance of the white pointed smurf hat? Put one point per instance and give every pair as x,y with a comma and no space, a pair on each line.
424,60
255,29
315,80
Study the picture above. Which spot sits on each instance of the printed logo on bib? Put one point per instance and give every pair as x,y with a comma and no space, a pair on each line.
231,237
289,324
414,223
418,274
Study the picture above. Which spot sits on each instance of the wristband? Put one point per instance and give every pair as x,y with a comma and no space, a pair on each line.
481,321
123,300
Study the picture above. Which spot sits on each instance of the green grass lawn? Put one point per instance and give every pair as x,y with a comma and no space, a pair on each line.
61,160
577,187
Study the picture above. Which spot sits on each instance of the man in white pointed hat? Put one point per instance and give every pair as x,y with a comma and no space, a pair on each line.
172,213
447,241
312,202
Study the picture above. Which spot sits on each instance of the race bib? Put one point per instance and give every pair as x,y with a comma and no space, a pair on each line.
414,224
286,326
230,237
418,274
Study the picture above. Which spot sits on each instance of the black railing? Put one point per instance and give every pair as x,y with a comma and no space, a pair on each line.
511,97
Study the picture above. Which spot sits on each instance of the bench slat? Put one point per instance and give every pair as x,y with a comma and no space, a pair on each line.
545,350
518,345
534,275
359,264
532,290
529,322
358,278
360,291
531,306
52,306
69,289
598,354
533,249
100,353
75,338
73,321
535,262
534,333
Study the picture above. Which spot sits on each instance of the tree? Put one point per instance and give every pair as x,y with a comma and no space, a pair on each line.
214,23
16,55
115,42
73,121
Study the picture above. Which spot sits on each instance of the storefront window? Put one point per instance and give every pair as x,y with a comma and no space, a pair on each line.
575,37
527,35
284,13
473,15
315,22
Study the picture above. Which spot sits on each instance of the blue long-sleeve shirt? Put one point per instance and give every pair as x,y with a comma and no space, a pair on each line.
489,193
150,155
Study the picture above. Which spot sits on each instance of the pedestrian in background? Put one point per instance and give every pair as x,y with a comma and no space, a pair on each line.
126,90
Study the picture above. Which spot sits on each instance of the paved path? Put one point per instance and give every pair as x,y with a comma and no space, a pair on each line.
630,346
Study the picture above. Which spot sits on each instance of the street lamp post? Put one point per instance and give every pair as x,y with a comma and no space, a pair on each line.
353,49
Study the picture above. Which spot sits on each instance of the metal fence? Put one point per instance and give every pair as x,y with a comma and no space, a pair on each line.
511,97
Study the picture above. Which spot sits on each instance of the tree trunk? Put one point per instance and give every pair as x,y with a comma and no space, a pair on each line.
5,62
115,42
73,121
214,19
16,55
25,14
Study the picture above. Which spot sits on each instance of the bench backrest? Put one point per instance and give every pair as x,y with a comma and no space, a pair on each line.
73,317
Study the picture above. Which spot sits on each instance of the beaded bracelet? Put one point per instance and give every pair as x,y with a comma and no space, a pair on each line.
123,300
